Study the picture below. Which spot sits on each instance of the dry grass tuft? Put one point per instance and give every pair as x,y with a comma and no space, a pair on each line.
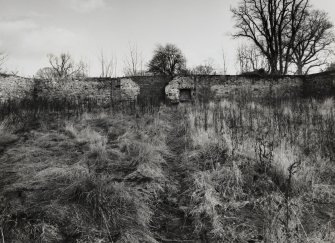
83,185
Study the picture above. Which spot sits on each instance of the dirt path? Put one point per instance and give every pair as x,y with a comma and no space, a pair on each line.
175,224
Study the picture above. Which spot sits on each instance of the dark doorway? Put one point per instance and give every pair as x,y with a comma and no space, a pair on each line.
185,95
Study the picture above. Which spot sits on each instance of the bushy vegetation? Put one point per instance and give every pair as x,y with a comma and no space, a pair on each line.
227,171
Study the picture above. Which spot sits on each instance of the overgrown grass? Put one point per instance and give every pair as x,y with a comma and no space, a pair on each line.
275,164
96,180
223,171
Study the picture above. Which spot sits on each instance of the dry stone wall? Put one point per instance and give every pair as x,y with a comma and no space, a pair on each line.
14,87
124,89
74,90
219,87
172,90
321,84
151,87
159,88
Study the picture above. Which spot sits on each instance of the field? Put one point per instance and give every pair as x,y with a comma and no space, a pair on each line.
225,171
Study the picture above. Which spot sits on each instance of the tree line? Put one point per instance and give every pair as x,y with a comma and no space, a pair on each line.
167,60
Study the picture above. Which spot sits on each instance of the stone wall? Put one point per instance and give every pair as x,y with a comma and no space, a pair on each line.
258,87
218,87
151,88
172,90
74,90
252,86
320,84
14,87
154,87
124,89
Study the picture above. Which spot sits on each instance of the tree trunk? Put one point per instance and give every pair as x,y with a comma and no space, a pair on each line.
299,69
273,67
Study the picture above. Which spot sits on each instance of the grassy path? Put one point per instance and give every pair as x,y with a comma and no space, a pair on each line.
175,224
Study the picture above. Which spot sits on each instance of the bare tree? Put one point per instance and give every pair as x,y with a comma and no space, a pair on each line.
273,26
250,59
168,60
204,69
133,62
108,66
64,67
46,73
314,41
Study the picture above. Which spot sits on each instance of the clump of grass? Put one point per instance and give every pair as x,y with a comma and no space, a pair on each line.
83,185
216,196
282,219
324,234
205,203
327,107
216,182
283,158
284,152
70,129
209,149
6,135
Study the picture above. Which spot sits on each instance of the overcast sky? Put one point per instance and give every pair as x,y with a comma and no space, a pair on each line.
30,29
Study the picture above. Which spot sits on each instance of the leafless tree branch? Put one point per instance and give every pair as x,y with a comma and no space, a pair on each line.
133,62
108,66
63,67
273,26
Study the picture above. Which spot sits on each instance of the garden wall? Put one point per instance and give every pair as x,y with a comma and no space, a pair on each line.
227,86
320,84
219,86
76,90
153,87
14,87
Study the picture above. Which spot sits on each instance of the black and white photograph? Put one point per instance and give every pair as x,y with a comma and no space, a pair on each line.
167,121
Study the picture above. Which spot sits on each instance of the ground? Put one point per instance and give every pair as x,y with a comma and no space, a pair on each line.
220,172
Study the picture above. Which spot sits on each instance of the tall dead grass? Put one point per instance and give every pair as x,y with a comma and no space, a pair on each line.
282,153
237,172
93,181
